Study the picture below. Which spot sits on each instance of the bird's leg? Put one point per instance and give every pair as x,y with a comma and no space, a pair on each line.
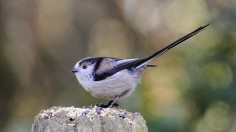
109,104
113,102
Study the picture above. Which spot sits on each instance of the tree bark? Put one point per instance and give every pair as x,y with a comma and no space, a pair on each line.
93,119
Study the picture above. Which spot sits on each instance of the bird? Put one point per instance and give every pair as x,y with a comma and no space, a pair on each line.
114,78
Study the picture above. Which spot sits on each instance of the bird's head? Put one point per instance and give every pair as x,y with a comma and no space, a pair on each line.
84,69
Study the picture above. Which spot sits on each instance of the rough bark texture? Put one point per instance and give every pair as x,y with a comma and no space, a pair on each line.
94,119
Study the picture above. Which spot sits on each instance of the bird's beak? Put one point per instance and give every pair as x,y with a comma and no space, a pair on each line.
74,70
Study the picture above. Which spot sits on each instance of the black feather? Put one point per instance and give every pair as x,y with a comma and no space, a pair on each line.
175,43
151,65
99,60
89,60
109,72
129,65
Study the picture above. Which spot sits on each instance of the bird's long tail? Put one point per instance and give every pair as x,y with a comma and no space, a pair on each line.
145,61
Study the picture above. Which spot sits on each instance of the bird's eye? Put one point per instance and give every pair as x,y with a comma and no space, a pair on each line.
84,66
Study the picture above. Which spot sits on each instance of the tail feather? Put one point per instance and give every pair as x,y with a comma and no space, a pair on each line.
145,61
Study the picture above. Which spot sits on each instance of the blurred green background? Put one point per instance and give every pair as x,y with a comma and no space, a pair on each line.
193,89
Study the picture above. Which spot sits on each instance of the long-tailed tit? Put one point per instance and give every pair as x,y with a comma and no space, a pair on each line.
113,78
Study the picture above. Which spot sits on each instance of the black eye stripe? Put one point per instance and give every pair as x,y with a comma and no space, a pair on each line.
97,64
88,60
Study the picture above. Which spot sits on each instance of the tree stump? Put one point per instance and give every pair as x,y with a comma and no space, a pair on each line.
92,119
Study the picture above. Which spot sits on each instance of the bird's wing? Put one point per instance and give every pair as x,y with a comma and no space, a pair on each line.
109,66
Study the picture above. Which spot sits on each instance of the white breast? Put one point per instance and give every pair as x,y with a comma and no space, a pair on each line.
120,84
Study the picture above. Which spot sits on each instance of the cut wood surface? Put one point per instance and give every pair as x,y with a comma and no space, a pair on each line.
90,119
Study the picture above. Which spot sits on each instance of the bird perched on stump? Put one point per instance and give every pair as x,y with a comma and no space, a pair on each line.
113,78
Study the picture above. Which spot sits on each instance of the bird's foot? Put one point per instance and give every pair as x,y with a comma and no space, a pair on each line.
108,105
112,104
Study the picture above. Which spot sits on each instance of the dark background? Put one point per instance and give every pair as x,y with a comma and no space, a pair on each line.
192,89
